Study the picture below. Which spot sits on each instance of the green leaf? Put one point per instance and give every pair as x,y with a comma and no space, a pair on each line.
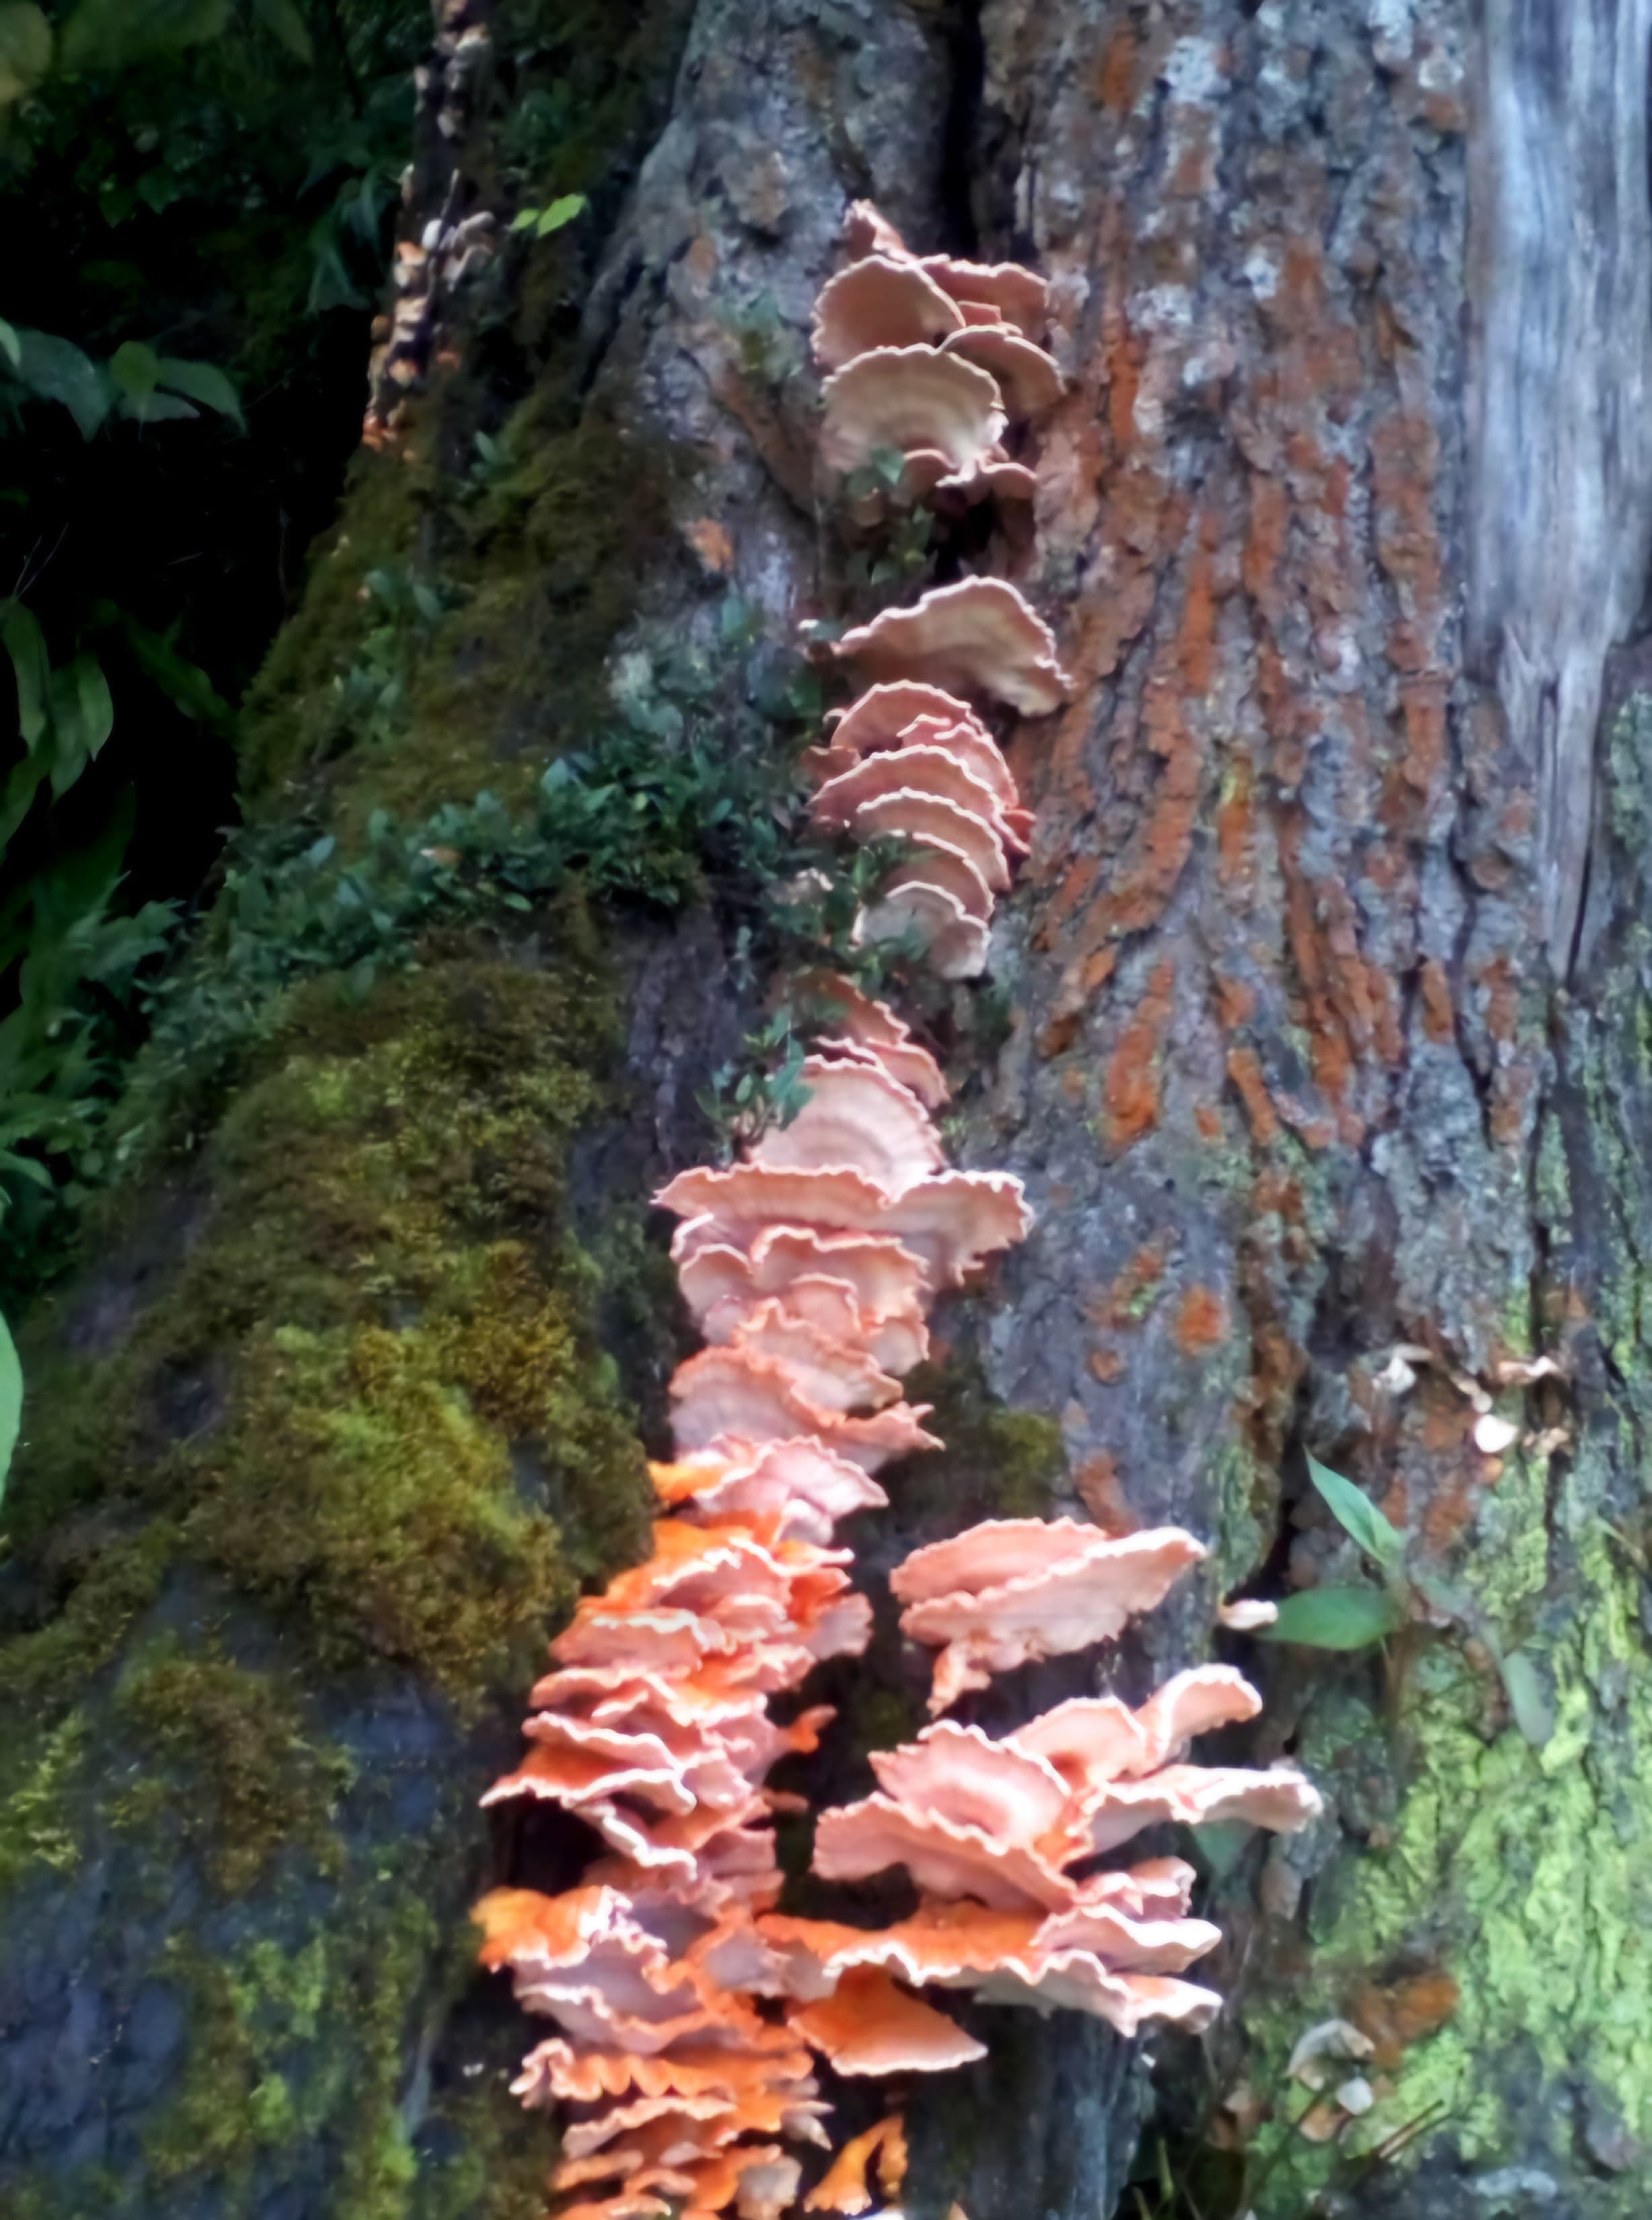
134,367
56,370
285,23
184,683
83,717
10,345
1358,1516
560,213
25,48
205,383
25,643
159,188
111,34
1528,1698
11,1401
1335,1619
157,407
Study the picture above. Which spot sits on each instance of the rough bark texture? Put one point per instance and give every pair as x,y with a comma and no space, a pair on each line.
1346,507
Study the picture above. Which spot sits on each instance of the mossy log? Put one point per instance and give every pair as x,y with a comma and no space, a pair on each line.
1325,1007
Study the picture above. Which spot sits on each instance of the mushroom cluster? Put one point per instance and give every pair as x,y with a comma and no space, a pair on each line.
688,2012
992,1834
931,362
810,1268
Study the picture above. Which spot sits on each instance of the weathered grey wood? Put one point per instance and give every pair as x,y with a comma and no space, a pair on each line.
1559,402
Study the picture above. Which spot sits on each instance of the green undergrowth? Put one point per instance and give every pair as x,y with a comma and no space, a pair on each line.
380,1307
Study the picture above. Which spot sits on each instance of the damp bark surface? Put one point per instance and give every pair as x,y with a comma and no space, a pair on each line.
1326,1001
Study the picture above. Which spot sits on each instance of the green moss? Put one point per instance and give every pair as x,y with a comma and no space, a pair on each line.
226,1761
116,1575
291,2045
35,1785
291,719
382,1319
1514,1870
998,1463
544,568
481,2156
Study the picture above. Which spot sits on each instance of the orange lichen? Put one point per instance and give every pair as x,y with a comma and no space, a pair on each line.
1402,2012
1202,1321
1130,1090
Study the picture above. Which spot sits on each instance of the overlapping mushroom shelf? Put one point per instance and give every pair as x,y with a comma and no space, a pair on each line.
688,2012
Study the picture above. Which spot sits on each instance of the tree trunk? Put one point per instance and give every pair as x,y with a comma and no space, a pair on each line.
1328,996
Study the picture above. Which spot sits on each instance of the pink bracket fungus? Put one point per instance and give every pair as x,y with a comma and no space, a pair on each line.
865,231
932,769
1015,295
884,713
686,2011
1027,379
909,813
937,864
955,945
915,400
843,2189
1014,1589
869,1029
973,745
882,301
979,636
868,2025
857,1116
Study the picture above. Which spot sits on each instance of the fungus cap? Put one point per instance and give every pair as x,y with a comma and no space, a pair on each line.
829,1371
854,1114
950,1221
1019,296
904,813
978,636
937,864
914,400
954,943
884,713
870,2026
844,2188
860,1023
1026,377
882,301
927,767
1013,1590
741,1392
945,1857
968,739
866,231
804,1488
959,1774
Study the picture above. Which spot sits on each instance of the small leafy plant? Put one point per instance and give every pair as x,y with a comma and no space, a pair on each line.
1356,1617
748,1096
1349,1618
543,222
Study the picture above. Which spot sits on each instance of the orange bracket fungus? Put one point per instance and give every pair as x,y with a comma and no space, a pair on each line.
686,2010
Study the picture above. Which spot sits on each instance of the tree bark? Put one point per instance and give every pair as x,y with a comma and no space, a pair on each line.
1328,998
